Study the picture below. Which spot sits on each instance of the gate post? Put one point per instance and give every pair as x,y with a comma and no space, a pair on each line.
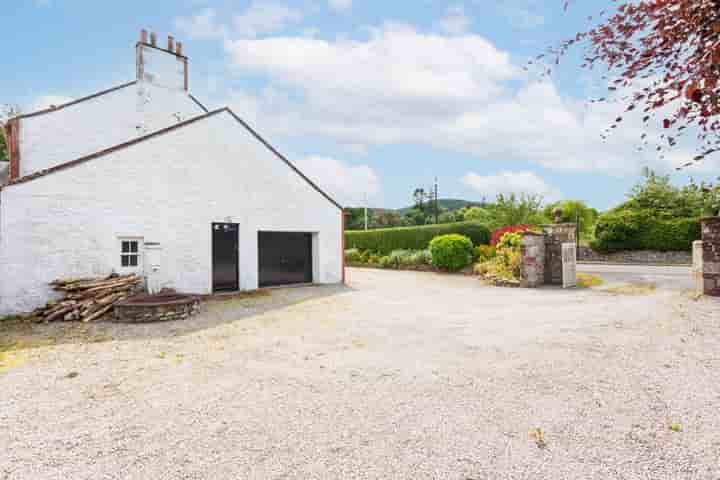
708,255
532,266
555,235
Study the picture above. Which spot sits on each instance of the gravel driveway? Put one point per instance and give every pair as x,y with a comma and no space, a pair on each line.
399,375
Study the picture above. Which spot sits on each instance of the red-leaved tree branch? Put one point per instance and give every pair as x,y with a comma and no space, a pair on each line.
667,54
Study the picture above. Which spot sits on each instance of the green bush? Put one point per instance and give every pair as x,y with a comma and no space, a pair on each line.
509,240
386,262
451,252
420,258
352,255
384,241
641,230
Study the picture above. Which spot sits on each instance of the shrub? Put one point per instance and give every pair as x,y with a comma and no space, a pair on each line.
498,234
386,262
509,240
400,258
451,252
352,255
641,230
421,257
506,262
374,259
384,241
483,253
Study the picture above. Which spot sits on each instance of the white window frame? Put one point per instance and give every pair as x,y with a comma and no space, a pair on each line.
138,254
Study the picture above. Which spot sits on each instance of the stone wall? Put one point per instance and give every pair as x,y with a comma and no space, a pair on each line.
555,236
532,268
647,257
147,313
710,267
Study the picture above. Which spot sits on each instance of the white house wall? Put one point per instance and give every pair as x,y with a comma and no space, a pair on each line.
168,189
92,125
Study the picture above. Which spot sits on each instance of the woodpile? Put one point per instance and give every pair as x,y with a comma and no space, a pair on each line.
87,299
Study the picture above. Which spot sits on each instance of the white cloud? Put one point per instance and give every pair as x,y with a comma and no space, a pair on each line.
203,25
455,21
264,17
340,4
523,18
403,86
260,18
511,182
47,101
346,183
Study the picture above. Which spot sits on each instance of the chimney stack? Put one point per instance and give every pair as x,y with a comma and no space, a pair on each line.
153,39
143,36
178,48
171,43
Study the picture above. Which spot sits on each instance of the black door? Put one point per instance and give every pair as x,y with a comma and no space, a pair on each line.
285,258
225,256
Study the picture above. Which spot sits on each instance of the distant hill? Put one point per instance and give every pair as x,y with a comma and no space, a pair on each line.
450,204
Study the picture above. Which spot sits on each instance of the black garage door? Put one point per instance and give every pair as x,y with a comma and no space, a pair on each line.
285,258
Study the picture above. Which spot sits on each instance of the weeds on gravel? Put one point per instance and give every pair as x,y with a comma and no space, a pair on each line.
585,280
633,289
539,436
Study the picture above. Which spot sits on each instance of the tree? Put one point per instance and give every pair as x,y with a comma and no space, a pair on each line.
573,210
7,111
667,52
663,200
419,197
3,149
476,214
514,209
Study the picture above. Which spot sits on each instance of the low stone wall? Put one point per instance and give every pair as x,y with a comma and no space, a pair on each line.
159,310
640,257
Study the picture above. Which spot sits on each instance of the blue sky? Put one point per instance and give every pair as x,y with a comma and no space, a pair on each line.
369,97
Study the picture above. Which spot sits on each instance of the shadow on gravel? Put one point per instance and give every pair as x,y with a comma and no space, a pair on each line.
17,335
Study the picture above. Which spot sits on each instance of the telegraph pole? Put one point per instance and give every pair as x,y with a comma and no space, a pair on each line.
436,201
366,213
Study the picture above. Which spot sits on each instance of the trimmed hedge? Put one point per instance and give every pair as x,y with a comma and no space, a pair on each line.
385,240
640,230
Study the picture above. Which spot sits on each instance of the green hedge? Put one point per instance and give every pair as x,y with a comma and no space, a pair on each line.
639,230
386,240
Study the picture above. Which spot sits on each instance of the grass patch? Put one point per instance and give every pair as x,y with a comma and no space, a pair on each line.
633,289
585,280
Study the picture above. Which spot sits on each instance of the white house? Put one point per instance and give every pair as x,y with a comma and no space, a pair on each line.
142,178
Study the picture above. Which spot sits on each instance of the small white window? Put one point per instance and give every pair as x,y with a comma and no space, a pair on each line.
130,253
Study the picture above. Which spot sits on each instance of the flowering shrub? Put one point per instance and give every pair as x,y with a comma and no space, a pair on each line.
497,234
483,253
506,262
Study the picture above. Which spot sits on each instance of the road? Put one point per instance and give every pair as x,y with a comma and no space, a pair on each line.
666,278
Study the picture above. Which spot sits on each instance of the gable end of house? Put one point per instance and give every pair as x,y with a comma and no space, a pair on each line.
63,166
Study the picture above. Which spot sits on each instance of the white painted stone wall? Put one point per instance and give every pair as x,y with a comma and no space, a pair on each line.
168,189
93,125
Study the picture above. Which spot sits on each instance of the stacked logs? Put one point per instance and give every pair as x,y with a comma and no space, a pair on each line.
87,299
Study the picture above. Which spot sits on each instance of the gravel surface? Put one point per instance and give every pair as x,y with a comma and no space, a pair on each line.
399,375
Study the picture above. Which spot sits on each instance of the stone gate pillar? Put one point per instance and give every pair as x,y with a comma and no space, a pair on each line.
555,235
532,268
706,260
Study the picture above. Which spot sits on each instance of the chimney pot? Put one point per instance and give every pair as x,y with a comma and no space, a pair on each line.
171,43
143,36
178,48
153,39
